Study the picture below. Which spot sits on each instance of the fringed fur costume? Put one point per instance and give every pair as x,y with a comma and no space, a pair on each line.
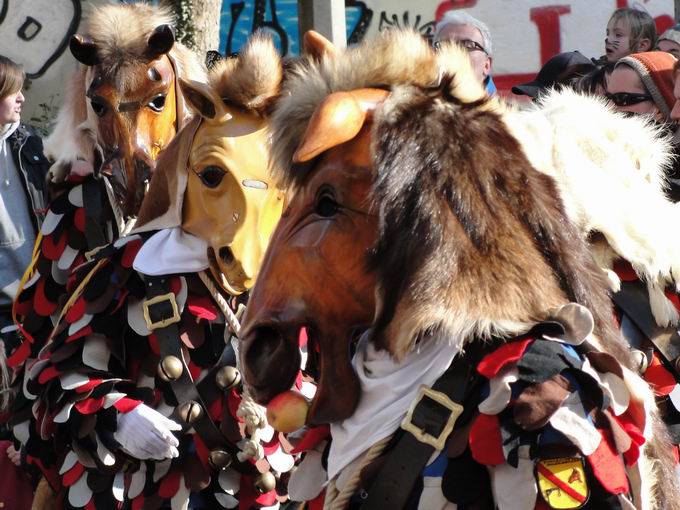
438,135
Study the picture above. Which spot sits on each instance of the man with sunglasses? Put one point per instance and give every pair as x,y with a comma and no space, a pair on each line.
474,36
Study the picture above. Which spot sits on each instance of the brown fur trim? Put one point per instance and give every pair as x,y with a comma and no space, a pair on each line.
473,240
253,80
395,57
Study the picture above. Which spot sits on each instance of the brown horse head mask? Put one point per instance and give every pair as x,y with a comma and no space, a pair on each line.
213,180
412,209
133,98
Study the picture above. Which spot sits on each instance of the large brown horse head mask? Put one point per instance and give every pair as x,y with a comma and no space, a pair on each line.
133,97
213,180
412,210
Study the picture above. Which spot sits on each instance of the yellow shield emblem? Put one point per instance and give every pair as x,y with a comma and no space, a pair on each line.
562,482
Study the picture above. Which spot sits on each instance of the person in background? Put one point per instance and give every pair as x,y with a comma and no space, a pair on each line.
23,198
642,84
23,190
629,31
595,82
674,173
669,41
474,36
561,70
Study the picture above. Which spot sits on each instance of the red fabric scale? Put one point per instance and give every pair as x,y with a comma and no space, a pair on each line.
79,219
48,374
79,334
42,306
312,438
202,307
608,466
508,353
88,386
485,440
53,248
659,378
125,404
19,355
130,252
90,405
76,311
169,484
72,475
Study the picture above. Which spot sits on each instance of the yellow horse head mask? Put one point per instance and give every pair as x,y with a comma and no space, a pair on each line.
214,180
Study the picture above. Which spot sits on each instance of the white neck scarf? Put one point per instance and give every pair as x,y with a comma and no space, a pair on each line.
387,390
171,251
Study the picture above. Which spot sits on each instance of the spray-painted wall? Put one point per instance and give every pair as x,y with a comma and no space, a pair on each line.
525,32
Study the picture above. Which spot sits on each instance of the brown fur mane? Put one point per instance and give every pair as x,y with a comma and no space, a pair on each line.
473,240
395,57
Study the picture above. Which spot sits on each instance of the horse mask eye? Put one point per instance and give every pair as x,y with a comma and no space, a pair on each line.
211,176
98,107
326,206
157,103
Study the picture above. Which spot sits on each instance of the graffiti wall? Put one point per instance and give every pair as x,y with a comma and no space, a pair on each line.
525,32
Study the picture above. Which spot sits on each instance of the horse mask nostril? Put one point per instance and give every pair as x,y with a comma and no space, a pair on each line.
226,255
271,362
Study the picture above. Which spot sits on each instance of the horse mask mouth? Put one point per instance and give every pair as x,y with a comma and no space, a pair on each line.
272,363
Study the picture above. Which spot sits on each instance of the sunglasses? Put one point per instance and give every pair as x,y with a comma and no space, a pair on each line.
468,44
627,98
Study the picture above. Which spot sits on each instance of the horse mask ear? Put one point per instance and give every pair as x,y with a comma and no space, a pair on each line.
202,99
338,119
317,46
160,41
84,50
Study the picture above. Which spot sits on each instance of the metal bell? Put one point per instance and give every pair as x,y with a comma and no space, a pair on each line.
170,368
190,411
227,377
265,482
219,459
641,361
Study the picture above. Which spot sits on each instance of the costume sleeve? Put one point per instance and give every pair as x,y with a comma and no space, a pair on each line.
559,423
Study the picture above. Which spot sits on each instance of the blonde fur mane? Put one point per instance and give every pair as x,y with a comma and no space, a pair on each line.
253,80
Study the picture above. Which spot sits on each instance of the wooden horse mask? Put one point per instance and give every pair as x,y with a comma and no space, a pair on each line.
213,180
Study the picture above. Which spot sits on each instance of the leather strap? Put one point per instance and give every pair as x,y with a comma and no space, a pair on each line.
92,202
633,300
406,461
185,389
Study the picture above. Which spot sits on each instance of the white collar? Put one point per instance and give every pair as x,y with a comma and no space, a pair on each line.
387,390
172,251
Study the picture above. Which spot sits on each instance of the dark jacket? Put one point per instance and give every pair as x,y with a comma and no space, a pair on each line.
27,150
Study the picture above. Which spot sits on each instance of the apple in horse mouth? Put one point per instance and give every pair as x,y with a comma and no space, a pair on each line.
287,412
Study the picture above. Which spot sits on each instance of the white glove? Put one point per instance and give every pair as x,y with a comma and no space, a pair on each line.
145,433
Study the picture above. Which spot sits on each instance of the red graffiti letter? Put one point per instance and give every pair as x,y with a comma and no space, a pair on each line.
547,20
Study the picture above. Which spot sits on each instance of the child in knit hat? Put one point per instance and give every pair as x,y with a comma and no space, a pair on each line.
642,83
629,31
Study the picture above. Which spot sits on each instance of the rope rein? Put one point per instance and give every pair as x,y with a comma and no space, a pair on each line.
338,499
253,414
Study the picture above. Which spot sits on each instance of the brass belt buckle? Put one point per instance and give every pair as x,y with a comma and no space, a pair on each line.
455,410
162,323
